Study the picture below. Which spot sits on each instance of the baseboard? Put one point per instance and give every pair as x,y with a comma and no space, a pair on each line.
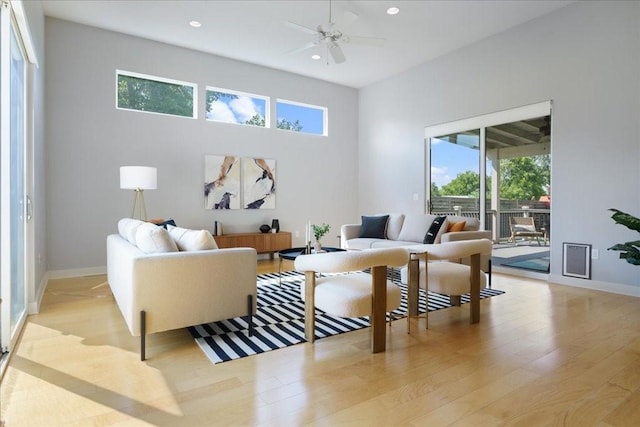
77,272
615,288
519,272
34,306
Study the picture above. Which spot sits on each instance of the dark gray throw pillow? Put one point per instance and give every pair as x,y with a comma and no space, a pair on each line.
374,227
432,232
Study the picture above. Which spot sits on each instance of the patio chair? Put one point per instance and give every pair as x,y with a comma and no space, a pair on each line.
523,227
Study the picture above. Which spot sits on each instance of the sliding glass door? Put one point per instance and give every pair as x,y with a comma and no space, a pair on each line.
496,168
12,183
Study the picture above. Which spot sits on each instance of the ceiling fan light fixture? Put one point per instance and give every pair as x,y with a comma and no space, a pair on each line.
393,10
195,24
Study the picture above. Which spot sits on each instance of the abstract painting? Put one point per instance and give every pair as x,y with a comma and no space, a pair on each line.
258,183
221,182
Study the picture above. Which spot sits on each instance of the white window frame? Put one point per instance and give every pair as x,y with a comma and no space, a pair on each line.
266,99
194,86
325,116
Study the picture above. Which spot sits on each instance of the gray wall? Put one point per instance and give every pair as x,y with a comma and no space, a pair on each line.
585,58
88,140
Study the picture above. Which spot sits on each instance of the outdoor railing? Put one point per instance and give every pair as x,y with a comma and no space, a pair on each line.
541,218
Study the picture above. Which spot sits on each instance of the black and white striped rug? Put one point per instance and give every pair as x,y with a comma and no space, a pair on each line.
279,319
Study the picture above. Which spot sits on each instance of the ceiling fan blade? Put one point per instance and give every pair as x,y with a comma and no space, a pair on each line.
365,41
336,53
345,19
299,27
302,48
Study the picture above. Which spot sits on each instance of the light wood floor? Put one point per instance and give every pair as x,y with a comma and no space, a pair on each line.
541,355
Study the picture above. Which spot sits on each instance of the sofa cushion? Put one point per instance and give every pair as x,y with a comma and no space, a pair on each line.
394,225
127,228
192,240
436,229
374,227
415,227
378,243
361,244
152,239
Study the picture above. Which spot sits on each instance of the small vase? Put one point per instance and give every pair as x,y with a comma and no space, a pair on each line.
317,246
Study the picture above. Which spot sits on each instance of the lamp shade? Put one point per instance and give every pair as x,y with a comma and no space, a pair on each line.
138,178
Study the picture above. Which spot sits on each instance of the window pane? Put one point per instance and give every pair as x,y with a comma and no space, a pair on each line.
228,106
156,95
301,118
455,173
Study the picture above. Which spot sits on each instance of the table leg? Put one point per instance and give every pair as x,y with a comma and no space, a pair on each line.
413,272
309,306
379,309
280,271
475,288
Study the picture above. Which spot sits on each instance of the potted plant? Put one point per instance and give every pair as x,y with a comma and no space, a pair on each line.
629,251
318,232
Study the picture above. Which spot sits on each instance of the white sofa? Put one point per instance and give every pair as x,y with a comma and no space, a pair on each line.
159,287
410,229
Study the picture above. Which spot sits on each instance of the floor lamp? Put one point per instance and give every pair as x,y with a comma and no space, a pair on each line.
138,178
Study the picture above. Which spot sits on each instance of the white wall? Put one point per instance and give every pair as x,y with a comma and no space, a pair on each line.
586,59
88,140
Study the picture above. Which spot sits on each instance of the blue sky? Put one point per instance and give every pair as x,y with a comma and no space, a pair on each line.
242,107
448,160
311,119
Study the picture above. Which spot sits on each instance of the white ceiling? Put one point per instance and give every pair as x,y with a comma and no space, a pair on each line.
254,31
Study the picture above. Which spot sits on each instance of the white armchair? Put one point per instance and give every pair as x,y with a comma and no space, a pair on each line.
446,277
355,294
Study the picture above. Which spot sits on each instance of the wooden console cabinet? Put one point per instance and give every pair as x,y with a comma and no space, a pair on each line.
263,242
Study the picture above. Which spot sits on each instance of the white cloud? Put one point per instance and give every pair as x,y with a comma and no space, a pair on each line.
219,111
439,175
243,108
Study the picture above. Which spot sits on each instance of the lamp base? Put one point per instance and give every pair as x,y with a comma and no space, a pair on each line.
139,205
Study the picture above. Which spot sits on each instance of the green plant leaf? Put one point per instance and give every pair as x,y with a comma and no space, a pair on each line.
626,219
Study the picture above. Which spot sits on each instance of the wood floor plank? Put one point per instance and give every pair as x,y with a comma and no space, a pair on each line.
542,354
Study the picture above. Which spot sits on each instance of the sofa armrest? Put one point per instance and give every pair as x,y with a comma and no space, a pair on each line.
348,232
456,236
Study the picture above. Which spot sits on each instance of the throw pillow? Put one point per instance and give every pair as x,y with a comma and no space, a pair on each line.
414,227
163,223
192,240
151,239
374,227
456,226
127,228
437,225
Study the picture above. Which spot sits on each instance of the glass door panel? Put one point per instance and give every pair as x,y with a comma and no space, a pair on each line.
455,174
13,182
17,112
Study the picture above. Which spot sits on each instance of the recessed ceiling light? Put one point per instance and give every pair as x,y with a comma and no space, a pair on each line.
195,24
315,56
393,11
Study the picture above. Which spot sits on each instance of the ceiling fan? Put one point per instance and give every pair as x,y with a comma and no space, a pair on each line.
331,36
